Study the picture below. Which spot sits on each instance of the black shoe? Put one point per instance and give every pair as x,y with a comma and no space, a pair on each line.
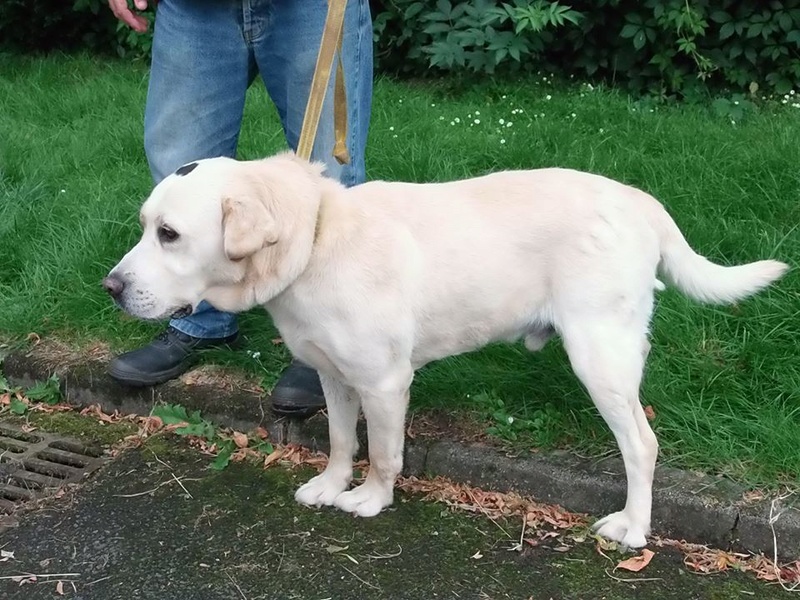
298,392
166,357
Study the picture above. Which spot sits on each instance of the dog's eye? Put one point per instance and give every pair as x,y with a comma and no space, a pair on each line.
167,234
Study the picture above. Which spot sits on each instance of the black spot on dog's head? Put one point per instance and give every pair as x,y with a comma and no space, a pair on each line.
186,169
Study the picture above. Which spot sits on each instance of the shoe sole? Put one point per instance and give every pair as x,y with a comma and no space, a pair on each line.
147,379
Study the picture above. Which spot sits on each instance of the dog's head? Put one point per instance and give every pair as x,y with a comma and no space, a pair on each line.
234,233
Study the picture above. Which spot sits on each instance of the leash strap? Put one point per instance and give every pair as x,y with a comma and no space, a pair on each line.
331,42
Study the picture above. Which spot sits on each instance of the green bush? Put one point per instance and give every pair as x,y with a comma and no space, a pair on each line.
48,25
655,46
659,47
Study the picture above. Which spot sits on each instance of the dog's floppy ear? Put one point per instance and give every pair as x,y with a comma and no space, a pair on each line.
247,227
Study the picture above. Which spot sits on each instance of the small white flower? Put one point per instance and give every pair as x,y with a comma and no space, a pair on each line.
502,121
548,97
574,115
503,141
508,124
433,104
63,191
510,420
602,130
441,118
504,96
394,135
400,101
391,128
736,102
457,120
733,122
784,101
477,112
791,92
477,121
452,122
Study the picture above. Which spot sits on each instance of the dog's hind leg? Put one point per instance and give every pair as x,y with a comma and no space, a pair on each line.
607,355
384,408
342,403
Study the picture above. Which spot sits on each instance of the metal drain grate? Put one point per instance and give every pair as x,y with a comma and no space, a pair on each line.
35,465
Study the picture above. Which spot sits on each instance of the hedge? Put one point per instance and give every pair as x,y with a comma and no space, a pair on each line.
660,47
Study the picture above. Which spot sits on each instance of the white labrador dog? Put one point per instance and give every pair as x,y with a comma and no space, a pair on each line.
370,283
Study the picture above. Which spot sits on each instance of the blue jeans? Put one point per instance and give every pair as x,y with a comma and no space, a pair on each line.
206,53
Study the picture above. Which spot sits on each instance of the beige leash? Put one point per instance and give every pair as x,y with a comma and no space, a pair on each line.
331,42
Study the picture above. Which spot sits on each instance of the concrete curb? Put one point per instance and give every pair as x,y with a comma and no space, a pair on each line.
689,506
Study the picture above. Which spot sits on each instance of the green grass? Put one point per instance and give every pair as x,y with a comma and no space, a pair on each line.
724,381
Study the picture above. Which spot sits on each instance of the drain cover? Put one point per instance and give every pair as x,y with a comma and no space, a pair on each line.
36,464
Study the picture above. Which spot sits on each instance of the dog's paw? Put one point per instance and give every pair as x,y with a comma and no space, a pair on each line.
364,501
322,490
620,527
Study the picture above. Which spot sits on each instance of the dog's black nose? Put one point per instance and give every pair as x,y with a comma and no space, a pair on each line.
113,285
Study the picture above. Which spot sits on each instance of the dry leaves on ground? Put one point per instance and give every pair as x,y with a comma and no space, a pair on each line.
636,563
698,558
702,559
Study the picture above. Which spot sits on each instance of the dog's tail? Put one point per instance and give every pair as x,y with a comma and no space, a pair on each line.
698,277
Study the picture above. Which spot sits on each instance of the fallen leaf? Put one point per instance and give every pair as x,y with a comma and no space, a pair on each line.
6,555
637,563
333,549
60,588
240,439
273,456
477,555
262,433
277,341
753,496
649,412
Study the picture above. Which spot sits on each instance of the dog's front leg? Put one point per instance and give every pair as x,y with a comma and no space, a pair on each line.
385,411
343,404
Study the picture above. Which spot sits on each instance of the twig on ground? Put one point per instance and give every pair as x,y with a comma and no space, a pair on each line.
632,579
486,512
386,556
38,575
181,484
236,585
773,518
367,583
163,483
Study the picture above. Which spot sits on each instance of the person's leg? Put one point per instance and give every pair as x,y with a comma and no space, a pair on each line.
201,69
286,53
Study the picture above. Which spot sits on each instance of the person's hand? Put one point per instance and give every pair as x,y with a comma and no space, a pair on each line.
126,15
